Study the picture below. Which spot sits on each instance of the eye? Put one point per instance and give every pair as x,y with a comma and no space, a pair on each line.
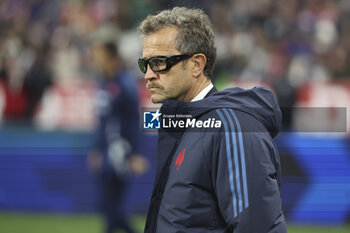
158,63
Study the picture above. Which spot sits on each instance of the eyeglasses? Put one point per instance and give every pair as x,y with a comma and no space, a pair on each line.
161,63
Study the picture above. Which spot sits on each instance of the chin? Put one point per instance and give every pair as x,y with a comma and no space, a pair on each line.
157,99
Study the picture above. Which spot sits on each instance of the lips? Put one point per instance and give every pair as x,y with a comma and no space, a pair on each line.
153,86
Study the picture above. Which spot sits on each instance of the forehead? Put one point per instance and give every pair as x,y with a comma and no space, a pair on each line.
159,43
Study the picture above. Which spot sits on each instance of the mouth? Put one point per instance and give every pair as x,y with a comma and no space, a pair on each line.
151,87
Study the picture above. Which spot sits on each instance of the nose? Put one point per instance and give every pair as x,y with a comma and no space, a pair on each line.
150,74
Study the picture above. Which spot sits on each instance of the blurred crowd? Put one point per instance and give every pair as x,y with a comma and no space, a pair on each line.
45,47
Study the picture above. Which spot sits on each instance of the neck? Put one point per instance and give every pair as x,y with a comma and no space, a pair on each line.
202,83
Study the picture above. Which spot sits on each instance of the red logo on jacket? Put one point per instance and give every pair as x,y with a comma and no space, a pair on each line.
179,159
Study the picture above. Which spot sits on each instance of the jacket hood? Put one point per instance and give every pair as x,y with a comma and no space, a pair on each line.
258,102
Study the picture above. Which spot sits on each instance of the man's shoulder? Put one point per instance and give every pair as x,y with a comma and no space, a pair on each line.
235,120
127,78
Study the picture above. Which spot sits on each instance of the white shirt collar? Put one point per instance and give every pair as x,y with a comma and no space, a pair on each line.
203,93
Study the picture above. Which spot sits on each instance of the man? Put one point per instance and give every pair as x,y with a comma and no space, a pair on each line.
117,136
208,180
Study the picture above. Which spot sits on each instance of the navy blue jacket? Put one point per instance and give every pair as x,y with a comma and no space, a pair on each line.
118,132
224,179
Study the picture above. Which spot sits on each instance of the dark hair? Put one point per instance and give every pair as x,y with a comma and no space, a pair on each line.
110,48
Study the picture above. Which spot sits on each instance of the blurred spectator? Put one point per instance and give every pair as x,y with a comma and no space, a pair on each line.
37,80
117,135
275,43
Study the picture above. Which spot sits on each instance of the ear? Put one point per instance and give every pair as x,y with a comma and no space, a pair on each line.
199,60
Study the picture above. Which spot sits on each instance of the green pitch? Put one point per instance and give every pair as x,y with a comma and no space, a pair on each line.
11,222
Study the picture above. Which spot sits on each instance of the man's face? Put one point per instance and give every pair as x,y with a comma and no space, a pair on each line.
99,57
171,84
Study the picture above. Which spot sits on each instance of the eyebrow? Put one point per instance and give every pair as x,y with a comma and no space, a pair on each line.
159,56
146,58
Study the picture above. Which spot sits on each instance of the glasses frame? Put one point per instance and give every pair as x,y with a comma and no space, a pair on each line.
170,61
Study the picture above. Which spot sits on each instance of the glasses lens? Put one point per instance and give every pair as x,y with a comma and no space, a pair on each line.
157,64
142,65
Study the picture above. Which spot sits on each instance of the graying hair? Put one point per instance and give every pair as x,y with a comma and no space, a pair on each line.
195,32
